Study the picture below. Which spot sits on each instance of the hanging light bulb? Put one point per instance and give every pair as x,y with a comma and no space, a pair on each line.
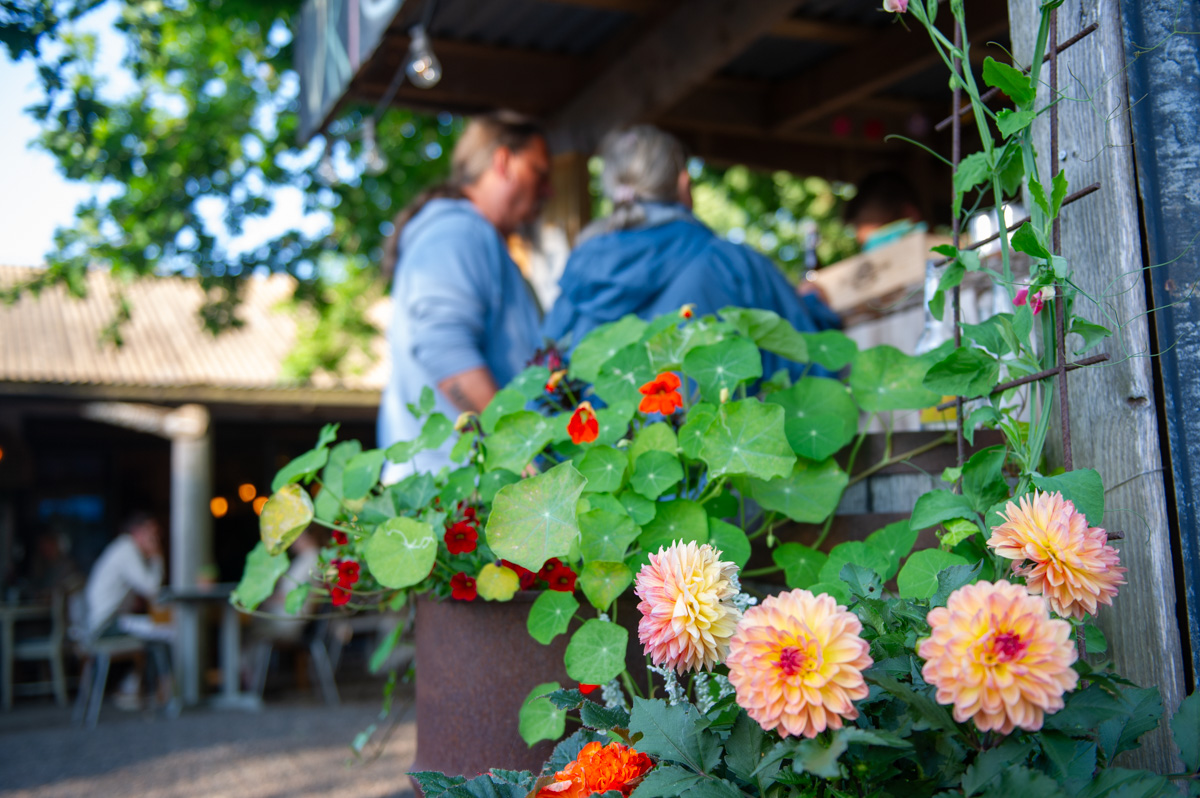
373,161
326,171
424,70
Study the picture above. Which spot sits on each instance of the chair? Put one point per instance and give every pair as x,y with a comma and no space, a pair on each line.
48,647
314,639
97,656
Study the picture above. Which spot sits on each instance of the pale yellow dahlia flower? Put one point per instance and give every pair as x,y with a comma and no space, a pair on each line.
996,654
796,662
1058,554
687,610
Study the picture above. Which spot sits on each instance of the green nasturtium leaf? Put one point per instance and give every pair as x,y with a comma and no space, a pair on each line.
300,468
459,485
605,535
801,565
748,438
856,552
361,474
530,383
435,431
503,404
286,514
655,473
656,437
551,615
297,597
639,508
918,578
691,435
604,468
839,590
821,416
339,456
603,581
884,378
621,376
596,653
894,542
668,348
491,483
614,422
401,551
598,346
538,719
769,331
723,366
534,519
263,570
677,520
808,494
730,541
832,349
518,438
462,447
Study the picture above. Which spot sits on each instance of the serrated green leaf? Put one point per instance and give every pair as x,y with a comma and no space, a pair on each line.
596,653
401,551
674,733
538,719
262,571
1185,728
1143,709
550,615
862,581
601,718
534,519
918,579
666,781
952,578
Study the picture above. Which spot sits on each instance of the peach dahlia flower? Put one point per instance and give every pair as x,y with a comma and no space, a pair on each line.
796,662
998,657
1058,554
687,610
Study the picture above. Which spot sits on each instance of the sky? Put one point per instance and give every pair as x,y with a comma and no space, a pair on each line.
35,198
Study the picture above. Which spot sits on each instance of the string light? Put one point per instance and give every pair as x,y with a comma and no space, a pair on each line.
423,70
219,506
247,492
258,504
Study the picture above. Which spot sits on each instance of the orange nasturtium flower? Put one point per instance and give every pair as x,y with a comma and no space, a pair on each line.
583,426
555,379
599,768
661,395
687,311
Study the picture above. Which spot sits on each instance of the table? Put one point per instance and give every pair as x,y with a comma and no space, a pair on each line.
189,600
10,614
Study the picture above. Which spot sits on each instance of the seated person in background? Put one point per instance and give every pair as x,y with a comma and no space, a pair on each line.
885,209
652,255
131,567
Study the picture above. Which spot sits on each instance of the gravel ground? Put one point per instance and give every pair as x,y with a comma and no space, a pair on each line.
293,748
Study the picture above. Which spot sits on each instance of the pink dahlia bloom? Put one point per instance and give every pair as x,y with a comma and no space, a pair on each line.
998,657
687,612
1058,554
796,662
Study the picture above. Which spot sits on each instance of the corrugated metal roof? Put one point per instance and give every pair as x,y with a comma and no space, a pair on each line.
528,24
53,338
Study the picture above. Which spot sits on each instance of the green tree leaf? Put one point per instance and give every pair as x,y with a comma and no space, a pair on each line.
821,416
534,519
667,781
602,343
538,719
966,372
401,551
263,570
284,517
1009,80
677,520
748,438
952,578
654,473
918,579
937,506
550,615
596,653
807,495
602,582
723,366
801,565
1082,487
1143,709
361,474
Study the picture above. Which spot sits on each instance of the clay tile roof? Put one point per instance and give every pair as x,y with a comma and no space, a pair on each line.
53,339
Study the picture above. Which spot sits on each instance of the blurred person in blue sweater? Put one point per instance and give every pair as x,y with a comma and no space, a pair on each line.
653,256
464,320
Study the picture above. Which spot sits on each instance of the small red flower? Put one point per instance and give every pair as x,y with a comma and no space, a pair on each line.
470,516
1036,300
348,571
339,596
588,689
462,587
339,537
561,578
462,538
548,568
583,427
526,576
661,395
687,311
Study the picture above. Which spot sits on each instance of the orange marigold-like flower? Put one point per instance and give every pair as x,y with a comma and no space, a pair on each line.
599,768
583,426
687,609
687,311
796,662
661,395
996,654
1059,555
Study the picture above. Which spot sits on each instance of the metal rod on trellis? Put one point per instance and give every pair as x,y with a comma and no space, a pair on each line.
955,227
1060,295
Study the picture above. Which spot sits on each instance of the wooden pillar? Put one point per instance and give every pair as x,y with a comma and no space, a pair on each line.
571,206
1113,419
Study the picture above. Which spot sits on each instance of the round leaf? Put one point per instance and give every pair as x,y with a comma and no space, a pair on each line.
655,473
918,578
550,615
530,383
538,719
730,541
596,653
654,437
856,552
620,377
808,494
748,438
263,570
678,520
602,343
640,509
503,404
801,565
723,365
605,535
401,552
517,440
832,349
604,469
602,582
884,378
534,519
285,515
894,541
497,583
836,589
361,473
821,416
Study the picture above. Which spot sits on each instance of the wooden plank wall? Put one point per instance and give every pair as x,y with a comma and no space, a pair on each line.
1115,427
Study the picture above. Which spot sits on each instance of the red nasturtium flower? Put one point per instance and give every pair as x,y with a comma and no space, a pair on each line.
562,579
599,768
462,587
588,689
339,596
339,537
461,538
583,426
661,395
348,571
526,576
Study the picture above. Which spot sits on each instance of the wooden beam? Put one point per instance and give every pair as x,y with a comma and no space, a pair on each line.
688,46
858,73
811,30
638,7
